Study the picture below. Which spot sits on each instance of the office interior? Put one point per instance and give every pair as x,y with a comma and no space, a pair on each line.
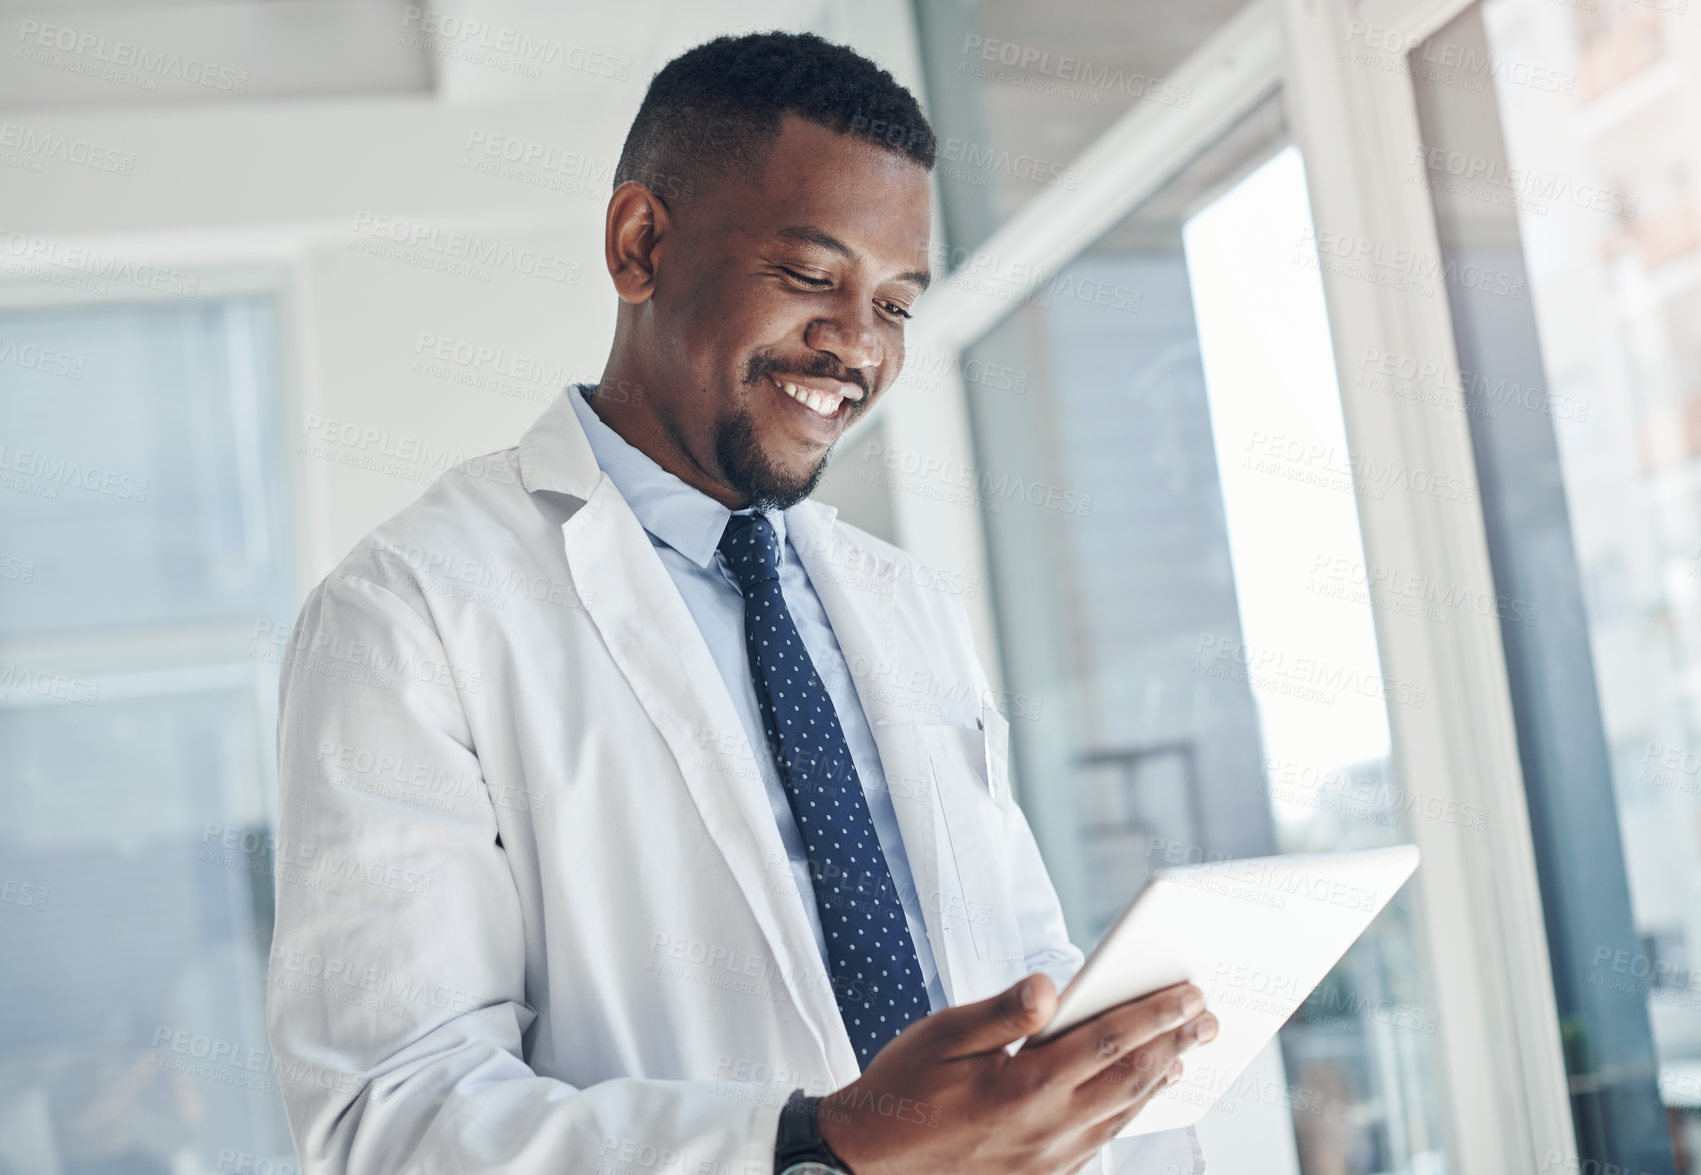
1306,412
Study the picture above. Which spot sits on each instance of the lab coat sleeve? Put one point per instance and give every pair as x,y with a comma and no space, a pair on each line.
396,987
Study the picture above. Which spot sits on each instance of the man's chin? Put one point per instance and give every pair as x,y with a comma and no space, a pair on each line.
768,484
771,492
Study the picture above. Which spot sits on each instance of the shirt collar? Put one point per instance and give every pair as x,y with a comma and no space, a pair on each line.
681,516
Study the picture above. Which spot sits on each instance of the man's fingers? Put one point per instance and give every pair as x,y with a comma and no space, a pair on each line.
1108,1129
1135,1077
1021,1009
1076,1055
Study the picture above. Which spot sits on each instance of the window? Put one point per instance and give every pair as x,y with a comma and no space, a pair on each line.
144,538
1187,600
1559,164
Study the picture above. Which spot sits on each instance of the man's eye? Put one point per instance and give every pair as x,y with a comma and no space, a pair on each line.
894,308
806,280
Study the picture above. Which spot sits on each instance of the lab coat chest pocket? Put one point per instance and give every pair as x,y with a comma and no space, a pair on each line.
971,781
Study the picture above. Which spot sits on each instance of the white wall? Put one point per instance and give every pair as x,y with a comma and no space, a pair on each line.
248,192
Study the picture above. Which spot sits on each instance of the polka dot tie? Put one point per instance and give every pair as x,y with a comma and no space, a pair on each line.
876,977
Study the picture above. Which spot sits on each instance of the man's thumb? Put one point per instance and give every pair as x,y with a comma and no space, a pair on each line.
1021,1009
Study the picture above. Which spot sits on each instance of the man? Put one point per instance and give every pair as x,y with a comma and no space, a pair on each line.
591,872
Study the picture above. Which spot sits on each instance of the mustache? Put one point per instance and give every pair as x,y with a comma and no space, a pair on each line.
821,367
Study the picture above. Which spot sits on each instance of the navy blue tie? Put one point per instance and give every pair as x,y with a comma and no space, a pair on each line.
876,977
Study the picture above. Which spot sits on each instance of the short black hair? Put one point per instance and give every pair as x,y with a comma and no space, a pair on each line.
715,110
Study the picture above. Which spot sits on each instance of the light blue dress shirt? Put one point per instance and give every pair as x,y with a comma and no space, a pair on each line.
685,527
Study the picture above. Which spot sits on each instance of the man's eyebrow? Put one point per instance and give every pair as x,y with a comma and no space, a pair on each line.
808,234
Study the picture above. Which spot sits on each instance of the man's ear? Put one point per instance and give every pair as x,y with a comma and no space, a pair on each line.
637,223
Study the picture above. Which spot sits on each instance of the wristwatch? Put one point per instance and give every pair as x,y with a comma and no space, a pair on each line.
799,1148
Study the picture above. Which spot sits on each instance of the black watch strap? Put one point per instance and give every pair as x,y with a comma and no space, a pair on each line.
799,1139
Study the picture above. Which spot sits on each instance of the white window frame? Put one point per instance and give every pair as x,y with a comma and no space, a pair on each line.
1478,909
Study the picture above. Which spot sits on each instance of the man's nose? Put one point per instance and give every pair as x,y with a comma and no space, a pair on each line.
851,340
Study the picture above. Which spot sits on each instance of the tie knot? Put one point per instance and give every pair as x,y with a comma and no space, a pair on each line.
752,549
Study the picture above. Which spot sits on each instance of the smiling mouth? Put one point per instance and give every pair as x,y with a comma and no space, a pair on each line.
823,404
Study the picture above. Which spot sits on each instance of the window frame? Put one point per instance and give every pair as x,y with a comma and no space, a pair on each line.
151,660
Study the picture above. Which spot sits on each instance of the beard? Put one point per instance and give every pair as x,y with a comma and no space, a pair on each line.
749,471
747,467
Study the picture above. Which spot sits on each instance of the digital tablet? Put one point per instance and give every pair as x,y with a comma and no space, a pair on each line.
1256,936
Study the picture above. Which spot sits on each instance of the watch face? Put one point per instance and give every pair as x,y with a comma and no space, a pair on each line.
811,1167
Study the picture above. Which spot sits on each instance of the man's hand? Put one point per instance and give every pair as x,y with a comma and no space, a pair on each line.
944,1096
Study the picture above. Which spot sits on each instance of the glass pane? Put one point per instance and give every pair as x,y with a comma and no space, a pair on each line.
1564,149
139,437
137,902
141,538
1017,90
1184,609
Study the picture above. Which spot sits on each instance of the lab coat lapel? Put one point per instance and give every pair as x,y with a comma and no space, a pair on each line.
657,647
858,589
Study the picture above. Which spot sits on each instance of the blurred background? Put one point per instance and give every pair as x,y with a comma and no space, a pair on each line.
1307,412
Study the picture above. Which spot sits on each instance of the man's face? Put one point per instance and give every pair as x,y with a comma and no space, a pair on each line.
779,304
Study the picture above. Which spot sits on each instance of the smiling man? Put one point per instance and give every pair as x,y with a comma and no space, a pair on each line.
620,827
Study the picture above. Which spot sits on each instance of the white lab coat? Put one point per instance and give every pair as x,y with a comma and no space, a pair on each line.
533,912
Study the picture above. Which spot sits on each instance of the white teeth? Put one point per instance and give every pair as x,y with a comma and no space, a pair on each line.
820,403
